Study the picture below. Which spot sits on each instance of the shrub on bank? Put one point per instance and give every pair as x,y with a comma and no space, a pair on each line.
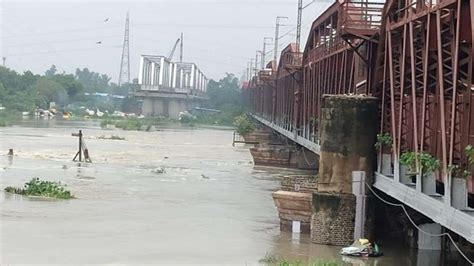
37,187
243,124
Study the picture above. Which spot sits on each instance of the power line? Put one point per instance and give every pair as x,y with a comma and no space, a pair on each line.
65,50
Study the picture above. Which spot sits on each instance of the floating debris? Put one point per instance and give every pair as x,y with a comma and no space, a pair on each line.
159,170
112,137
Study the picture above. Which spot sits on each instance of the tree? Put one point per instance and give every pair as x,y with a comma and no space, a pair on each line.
50,91
224,93
92,81
51,71
70,84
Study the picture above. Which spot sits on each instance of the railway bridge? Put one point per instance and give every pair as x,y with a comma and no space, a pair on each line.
416,58
168,88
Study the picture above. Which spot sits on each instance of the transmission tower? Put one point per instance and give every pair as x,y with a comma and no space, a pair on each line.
124,77
298,27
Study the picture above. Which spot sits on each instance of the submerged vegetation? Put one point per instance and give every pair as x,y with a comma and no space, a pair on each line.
37,187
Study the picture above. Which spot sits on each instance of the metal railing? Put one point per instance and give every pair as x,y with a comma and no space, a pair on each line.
292,59
361,15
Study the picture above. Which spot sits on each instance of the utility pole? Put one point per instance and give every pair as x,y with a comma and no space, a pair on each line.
277,28
298,25
4,59
264,50
248,69
256,62
181,49
124,77
251,68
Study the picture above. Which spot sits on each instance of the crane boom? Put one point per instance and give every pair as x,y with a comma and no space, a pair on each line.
174,49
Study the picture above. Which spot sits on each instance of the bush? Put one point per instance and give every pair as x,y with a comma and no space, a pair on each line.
37,187
129,124
243,125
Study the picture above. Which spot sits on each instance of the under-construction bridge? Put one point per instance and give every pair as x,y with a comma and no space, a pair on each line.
416,57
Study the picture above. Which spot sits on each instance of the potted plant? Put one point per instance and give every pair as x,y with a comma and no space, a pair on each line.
427,166
384,146
459,180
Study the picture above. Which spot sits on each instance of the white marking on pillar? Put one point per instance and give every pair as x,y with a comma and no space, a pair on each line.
296,227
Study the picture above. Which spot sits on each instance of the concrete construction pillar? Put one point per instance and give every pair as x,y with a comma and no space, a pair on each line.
348,132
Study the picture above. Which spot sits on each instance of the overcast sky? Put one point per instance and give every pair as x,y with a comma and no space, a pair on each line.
219,35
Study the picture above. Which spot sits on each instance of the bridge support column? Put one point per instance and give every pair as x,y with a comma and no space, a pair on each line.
348,132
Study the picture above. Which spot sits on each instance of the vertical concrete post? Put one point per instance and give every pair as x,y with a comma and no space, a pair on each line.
348,133
358,189
152,80
140,74
160,79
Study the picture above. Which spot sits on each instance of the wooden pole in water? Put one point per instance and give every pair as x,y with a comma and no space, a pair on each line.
79,153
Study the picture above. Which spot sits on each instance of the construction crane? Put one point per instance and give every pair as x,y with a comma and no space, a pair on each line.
174,49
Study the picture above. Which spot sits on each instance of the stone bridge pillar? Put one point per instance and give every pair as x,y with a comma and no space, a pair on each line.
348,133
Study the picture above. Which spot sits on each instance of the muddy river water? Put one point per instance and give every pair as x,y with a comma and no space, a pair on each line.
210,206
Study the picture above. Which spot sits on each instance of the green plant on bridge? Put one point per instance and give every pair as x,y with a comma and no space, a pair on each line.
243,125
457,171
384,140
428,163
37,187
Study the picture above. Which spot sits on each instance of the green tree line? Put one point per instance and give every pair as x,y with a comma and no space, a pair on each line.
26,91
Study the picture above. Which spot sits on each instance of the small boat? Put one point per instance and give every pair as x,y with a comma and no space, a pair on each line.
362,248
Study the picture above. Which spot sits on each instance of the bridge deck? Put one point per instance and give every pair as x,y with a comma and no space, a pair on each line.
436,208
314,147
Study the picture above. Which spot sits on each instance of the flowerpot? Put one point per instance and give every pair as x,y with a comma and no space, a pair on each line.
429,184
459,195
386,168
407,177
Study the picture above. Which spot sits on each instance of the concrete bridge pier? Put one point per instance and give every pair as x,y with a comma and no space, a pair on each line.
274,150
348,133
167,107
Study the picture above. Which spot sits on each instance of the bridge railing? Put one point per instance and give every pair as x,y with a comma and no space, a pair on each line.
361,15
292,60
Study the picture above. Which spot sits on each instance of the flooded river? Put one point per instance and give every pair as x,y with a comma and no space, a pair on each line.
210,206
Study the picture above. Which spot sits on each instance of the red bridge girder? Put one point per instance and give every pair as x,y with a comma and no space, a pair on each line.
415,56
